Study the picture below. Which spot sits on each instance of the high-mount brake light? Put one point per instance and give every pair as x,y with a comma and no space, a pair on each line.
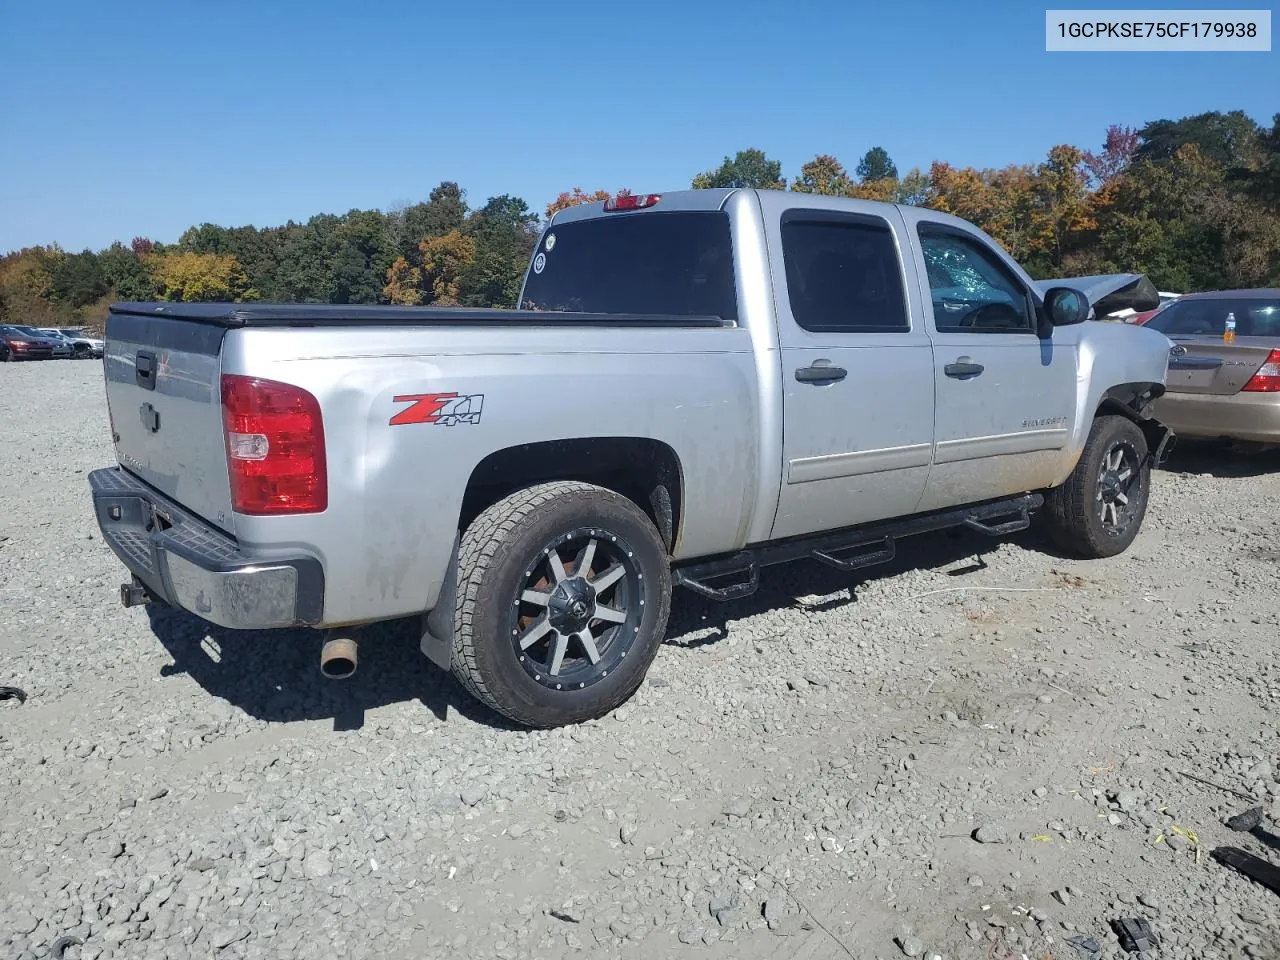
275,447
1267,379
632,201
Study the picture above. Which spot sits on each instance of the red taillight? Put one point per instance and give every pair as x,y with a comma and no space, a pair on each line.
632,201
275,447
1267,379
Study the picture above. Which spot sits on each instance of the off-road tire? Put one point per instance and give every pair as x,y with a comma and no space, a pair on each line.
1071,514
495,553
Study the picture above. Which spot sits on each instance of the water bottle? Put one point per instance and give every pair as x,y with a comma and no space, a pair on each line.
1229,331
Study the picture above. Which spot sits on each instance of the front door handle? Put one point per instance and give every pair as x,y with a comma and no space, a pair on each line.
821,373
963,369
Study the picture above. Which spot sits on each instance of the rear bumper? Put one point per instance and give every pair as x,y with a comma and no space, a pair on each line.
1242,416
189,564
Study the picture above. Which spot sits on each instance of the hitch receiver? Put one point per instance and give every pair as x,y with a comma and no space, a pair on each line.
135,594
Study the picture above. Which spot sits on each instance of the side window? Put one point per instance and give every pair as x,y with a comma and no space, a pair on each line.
843,274
971,290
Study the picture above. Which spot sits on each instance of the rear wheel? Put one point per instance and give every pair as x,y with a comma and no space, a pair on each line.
563,595
1099,510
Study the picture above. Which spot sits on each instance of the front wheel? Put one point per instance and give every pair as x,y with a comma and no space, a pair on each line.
1098,511
562,602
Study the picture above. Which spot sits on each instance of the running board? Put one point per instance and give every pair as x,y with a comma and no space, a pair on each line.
885,552
1020,522
875,541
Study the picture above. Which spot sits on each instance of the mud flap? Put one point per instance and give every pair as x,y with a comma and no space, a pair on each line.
1164,446
437,624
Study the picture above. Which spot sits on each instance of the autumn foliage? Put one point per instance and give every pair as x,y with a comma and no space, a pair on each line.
577,196
1194,203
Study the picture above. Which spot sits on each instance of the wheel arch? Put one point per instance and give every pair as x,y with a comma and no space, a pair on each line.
1133,401
648,472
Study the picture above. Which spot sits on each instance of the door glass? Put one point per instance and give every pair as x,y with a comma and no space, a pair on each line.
843,275
971,290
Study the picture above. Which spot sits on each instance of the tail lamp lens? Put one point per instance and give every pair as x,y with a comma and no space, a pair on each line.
1267,379
275,447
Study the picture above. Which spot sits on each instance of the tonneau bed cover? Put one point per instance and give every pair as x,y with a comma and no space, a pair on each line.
328,314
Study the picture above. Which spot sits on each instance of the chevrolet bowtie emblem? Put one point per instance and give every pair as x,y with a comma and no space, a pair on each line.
150,417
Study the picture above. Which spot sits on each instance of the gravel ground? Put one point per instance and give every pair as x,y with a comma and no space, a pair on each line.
980,751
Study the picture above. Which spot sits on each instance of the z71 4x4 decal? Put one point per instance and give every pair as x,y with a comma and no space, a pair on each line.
443,408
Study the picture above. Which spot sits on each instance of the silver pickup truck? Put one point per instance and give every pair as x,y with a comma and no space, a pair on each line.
696,385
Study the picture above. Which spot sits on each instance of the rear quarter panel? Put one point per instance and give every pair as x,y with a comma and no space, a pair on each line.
395,491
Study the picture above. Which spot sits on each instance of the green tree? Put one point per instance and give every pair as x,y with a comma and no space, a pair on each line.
504,231
445,209
1265,181
825,176
749,168
1189,225
876,165
913,189
361,253
1228,139
258,251
77,279
128,275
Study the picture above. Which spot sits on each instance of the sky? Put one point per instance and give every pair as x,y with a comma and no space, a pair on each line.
132,119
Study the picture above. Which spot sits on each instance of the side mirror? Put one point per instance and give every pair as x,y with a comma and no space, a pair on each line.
1066,306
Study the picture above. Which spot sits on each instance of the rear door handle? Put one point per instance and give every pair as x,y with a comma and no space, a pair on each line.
821,373
963,369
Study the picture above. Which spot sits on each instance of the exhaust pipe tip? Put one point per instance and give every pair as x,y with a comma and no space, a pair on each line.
338,658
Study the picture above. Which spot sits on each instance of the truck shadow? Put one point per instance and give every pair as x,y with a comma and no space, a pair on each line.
1194,458
696,621
275,676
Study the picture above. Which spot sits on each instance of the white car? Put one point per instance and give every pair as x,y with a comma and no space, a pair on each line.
80,346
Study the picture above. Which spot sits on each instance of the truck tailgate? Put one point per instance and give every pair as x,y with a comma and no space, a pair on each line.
163,396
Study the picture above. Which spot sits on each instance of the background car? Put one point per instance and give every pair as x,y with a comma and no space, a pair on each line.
96,347
17,344
1219,389
82,347
61,348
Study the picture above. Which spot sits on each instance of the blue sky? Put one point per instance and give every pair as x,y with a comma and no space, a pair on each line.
124,119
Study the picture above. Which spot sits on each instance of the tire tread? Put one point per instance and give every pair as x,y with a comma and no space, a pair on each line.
1068,518
494,530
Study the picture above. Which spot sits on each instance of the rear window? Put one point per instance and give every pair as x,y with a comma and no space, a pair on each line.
1254,317
678,263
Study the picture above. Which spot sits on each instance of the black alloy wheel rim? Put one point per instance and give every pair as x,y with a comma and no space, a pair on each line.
1119,487
578,609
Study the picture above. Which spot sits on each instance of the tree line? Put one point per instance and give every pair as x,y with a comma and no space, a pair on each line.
1194,203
